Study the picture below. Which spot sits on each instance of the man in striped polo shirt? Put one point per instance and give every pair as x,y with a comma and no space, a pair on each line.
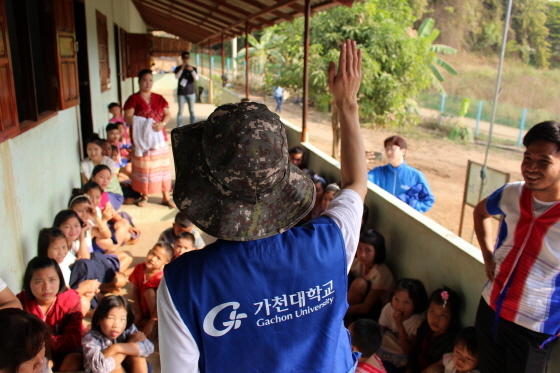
518,318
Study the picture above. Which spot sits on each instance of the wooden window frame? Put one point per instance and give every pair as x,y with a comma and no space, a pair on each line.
103,48
63,71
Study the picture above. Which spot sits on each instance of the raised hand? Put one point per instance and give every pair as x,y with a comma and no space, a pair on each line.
344,83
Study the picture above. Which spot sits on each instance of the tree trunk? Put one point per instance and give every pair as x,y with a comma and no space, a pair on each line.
336,131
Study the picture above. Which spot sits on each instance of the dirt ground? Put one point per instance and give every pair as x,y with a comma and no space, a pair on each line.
444,162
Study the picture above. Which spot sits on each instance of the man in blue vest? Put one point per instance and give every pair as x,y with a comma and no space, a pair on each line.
266,296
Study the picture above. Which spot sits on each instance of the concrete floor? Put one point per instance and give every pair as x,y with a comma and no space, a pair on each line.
153,218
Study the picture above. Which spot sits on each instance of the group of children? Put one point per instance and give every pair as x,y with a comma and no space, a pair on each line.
81,265
413,333
396,327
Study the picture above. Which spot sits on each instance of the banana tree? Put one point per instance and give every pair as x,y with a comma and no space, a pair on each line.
427,32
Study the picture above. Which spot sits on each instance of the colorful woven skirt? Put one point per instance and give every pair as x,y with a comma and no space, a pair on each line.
152,172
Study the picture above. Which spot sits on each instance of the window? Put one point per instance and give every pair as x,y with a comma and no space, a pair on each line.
38,74
103,42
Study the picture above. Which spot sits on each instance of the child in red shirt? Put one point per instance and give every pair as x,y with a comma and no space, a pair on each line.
146,278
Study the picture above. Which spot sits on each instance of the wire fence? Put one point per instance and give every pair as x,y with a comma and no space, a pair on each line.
506,114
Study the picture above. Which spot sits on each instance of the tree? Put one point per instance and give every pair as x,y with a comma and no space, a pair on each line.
263,51
528,21
430,34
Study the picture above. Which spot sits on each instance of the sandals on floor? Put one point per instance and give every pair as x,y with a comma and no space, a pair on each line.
142,202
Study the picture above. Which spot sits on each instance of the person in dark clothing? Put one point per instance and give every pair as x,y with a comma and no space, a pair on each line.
186,76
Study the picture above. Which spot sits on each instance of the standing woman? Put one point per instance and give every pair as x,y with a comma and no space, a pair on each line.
151,172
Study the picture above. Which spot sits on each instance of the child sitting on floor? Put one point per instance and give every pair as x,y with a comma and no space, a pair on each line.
400,320
181,224
146,278
436,335
46,296
52,244
183,244
114,341
463,359
366,338
25,340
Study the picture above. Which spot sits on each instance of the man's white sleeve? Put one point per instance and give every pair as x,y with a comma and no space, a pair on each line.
346,210
177,347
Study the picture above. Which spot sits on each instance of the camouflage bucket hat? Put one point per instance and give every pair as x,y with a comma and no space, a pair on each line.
234,179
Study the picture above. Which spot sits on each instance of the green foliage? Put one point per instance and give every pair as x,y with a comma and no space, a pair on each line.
553,25
427,32
395,64
528,21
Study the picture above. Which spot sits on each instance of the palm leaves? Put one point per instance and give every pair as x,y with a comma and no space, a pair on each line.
429,34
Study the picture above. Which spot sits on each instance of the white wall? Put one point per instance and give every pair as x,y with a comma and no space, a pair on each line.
125,15
38,170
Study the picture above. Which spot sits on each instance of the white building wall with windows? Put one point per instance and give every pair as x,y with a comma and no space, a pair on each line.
39,168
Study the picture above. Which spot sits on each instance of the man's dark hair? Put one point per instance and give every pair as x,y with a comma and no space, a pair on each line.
106,305
467,338
395,140
40,263
24,336
548,131
366,336
111,127
185,53
296,150
375,239
112,105
183,220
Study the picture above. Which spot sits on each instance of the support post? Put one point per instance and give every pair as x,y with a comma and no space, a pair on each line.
234,58
521,127
247,59
211,81
442,109
304,135
478,115
223,63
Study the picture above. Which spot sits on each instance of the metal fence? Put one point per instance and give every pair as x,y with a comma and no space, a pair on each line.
481,110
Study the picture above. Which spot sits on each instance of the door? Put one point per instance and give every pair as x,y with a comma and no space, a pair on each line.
86,118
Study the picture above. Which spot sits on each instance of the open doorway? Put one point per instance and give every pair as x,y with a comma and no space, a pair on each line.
86,118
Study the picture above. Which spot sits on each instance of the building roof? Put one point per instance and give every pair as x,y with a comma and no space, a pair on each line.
203,22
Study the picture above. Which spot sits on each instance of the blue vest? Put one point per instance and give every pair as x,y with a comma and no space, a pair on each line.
269,305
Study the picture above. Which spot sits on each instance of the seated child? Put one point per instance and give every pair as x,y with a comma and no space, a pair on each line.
113,342
103,175
46,296
329,194
400,320
24,350
52,244
463,359
372,281
146,278
113,136
116,112
182,224
437,334
183,244
366,338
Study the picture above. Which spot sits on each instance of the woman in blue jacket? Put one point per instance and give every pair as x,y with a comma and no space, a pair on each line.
401,180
